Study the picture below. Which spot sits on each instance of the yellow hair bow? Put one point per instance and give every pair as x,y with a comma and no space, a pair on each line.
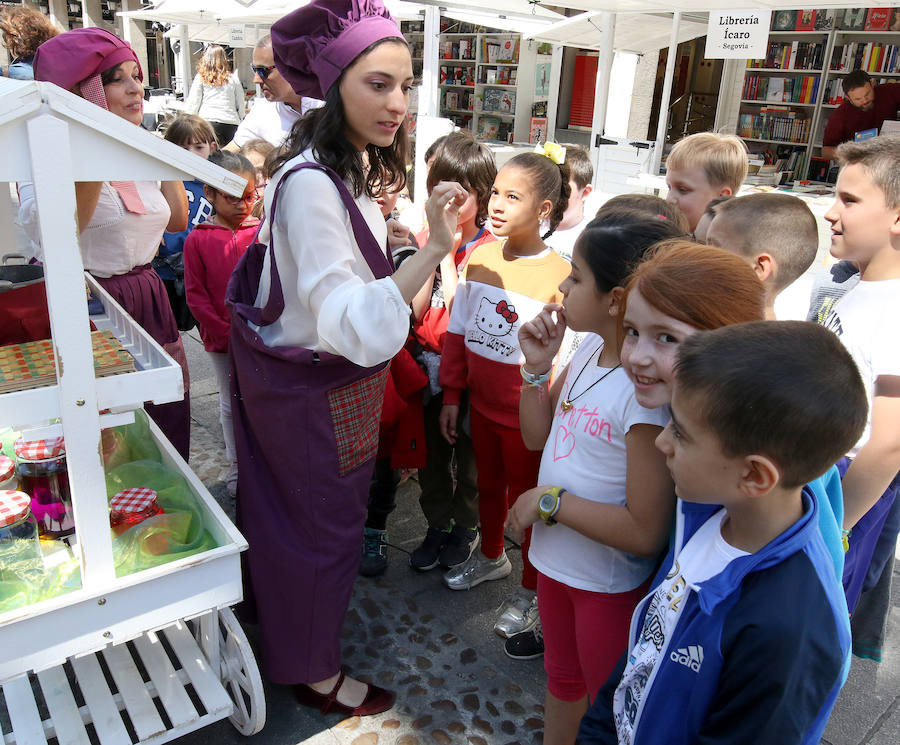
556,153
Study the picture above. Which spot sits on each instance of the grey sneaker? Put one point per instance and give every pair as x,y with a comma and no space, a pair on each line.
519,613
374,559
477,569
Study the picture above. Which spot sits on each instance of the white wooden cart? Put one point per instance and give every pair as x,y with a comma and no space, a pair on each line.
151,656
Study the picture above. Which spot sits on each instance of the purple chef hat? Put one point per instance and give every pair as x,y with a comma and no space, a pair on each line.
314,44
79,54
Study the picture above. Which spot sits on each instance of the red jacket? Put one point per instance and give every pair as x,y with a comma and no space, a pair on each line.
211,253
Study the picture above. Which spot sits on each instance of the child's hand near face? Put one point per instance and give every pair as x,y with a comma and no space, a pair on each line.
398,235
541,337
442,210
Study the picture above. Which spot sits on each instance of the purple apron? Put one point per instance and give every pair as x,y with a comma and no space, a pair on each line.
306,434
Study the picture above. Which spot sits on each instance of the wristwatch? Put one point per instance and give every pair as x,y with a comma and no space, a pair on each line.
548,504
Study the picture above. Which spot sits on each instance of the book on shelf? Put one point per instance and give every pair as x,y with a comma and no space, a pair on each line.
873,56
797,55
537,129
854,19
895,20
878,19
784,20
824,20
499,100
806,20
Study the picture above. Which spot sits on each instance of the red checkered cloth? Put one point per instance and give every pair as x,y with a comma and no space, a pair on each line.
13,506
7,468
355,413
40,449
136,499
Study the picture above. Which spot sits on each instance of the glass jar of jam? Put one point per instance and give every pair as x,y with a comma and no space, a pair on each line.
18,531
132,506
7,474
41,467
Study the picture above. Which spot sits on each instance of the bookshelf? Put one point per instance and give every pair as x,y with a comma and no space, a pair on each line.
784,100
486,78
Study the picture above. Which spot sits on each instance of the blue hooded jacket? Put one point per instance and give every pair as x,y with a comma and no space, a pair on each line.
758,653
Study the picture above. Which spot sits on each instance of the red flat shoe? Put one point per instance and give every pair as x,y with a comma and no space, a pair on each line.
376,701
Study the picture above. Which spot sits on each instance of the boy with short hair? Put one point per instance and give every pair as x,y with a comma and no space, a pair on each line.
776,233
745,637
865,225
704,166
581,177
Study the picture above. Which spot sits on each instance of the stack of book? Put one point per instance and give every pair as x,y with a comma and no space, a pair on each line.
792,55
774,123
781,90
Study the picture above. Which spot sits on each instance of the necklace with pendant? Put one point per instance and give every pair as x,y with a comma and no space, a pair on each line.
567,404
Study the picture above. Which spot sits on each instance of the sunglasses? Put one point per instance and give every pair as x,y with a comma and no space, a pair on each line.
262,70
237,201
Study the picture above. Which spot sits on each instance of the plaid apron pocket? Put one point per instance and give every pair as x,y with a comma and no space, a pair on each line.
356,413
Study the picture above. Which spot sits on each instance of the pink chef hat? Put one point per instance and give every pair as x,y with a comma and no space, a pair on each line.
314,44
79,54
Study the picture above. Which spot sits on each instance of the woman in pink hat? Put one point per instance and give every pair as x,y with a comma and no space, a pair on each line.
120,222
318,311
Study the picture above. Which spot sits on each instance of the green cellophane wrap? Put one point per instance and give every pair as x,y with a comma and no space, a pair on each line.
129,443
178,532
26,579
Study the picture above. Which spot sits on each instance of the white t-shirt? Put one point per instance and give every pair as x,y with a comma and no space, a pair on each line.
563,241
705,555
868,321
115,241
585,454
332,301
271,121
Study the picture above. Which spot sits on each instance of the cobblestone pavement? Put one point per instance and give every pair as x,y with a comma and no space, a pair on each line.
435,648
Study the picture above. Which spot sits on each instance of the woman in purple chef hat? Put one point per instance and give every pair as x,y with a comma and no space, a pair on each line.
317,312
120,223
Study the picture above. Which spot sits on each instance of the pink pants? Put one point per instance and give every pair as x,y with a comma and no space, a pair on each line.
585,634
506,468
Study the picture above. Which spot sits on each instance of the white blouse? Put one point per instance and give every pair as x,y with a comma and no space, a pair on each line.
332,301
115,241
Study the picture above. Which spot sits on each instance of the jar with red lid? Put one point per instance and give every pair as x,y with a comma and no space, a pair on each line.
132,506
7,474
18,530
42,471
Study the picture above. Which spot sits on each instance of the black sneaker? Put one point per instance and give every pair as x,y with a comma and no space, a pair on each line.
526,645
374,559
460,545
425,557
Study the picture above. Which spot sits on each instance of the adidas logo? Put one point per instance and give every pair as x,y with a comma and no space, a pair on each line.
689,657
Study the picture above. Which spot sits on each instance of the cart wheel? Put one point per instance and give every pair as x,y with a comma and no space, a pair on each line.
240,675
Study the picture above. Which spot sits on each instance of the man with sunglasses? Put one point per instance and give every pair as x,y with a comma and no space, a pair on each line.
270,119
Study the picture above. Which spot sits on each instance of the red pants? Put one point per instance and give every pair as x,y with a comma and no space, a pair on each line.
585,634
506,468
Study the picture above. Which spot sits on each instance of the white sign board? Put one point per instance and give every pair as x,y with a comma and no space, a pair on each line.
236,35
737,34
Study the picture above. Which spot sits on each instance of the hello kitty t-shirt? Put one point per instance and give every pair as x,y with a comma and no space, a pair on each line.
585,455
497,293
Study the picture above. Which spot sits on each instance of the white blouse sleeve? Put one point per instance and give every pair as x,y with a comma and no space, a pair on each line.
356,316
27,217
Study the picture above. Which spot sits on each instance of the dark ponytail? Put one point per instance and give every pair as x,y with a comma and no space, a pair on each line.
551,181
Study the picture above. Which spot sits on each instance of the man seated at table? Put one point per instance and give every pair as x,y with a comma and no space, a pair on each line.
866,106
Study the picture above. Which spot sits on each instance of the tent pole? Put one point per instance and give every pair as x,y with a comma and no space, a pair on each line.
666,95
184,59
601,87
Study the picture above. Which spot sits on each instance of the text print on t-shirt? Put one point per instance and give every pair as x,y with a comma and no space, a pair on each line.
494,324
577,421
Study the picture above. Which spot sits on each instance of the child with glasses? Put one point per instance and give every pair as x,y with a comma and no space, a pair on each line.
211,252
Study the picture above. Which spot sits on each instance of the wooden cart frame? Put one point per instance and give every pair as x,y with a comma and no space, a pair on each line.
151,656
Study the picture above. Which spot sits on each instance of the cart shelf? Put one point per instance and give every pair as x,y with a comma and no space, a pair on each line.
157,376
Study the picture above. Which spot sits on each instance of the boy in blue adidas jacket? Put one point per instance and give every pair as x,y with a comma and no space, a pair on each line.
745,637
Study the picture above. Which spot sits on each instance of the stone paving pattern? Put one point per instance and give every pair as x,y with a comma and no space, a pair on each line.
435,647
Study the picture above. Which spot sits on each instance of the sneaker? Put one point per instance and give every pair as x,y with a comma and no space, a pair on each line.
374,553
425,557
460,545
477,569
520,613
526,645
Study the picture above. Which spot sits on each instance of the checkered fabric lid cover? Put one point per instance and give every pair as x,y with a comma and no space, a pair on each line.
7,467
135,499
13,506
40,449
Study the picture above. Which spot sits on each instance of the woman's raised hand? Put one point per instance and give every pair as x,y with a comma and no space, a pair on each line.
541,337
442,210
